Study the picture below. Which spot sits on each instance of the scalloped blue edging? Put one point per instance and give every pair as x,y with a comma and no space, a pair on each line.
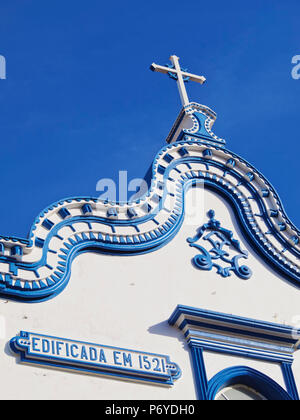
39,289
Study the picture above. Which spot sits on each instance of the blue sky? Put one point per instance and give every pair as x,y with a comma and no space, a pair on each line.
80,102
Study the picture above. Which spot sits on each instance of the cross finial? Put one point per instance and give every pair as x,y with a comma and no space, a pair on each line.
181,75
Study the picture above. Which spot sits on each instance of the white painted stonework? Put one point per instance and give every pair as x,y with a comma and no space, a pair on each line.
126,301
134,276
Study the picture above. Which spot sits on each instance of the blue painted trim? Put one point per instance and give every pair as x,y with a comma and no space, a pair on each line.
202,118
199,372
250,377
239,330
219,238
242,351
203,132
289,380
243,337
41,289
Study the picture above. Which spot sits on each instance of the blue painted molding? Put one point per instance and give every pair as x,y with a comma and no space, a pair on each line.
243,337
202,119
289,380
185,315
243,375
234,335
200,376
38,268
97,359
219,238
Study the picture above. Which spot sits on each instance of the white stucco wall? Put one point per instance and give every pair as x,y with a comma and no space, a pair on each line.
126,301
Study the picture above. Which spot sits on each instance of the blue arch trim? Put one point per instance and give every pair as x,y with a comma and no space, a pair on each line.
249,185
246,376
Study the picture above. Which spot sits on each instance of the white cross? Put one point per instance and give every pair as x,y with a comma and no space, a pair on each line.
180,77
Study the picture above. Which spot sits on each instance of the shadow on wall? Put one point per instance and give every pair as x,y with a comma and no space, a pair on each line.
163,328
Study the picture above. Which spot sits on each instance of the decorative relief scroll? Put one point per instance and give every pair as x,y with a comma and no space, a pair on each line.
225,249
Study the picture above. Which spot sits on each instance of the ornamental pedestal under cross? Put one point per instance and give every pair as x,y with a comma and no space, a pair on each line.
182,76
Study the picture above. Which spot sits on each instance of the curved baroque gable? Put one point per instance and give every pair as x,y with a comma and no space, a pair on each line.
38,268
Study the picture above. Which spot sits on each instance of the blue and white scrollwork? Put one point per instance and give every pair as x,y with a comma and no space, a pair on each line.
220,239
38,267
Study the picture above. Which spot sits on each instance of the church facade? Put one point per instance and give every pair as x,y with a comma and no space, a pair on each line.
189,292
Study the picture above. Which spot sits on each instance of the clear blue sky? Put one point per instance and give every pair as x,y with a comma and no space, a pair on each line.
80,102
